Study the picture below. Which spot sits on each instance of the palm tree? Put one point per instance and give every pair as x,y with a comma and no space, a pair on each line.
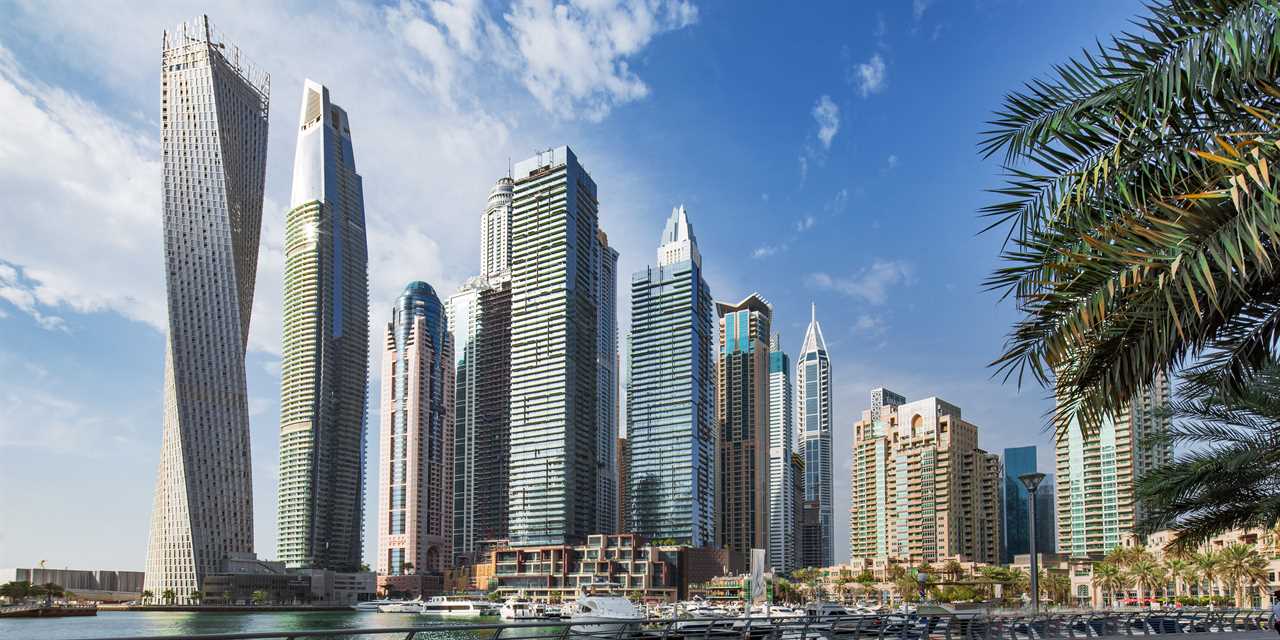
1244,568
953,570
1147,576
1225,477
868,581
259,597
1108,578
1180,571
1208,565
168,596
147,595
1140,208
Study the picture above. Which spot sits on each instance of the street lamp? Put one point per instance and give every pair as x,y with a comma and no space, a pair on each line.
1032,481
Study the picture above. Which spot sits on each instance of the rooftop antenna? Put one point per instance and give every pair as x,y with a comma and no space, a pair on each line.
813,312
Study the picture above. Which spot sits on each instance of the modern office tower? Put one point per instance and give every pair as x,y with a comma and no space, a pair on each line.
1046,519
606,296
213,139
415,502
1097,472
495,232
814,405
555,344
324,371
1019,461
742,410
922,490
479,315
624,472
784,554
671,423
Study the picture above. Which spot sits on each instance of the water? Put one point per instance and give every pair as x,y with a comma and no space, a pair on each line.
109,624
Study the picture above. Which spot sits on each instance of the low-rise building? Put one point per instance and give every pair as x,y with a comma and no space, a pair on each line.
101,585
559,572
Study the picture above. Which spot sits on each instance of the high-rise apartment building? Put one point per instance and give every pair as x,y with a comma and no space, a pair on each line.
213,141
814,419
742,410
1097,472
495,232
922,490
606,296
1019,461
415,500
784,553
324,372
479,315
671,424
555,352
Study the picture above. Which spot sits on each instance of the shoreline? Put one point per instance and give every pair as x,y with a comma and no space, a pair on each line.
221,608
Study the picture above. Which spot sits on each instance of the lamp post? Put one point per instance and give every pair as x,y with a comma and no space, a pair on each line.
1032,481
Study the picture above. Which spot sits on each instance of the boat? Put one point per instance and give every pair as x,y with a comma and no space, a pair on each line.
401,606
457,607
372,605
518,608
601,604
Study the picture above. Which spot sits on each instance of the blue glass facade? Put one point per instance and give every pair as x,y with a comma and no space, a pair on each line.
1020,461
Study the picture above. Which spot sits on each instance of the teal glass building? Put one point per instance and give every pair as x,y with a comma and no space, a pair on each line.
671,395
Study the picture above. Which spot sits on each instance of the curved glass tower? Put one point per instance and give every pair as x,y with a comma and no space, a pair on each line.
213,139
324,374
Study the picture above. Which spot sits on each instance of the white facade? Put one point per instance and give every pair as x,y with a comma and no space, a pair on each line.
213,113
814,420
495,232
783,541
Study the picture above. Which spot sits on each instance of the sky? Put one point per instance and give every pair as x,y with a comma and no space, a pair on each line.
826,152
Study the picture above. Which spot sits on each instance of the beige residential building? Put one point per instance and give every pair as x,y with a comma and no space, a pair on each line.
922,490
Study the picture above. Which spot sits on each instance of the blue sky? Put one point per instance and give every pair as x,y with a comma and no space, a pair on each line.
825,152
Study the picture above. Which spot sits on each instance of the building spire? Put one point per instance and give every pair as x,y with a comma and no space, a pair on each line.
813,335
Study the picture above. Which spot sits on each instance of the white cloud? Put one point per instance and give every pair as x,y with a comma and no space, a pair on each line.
893,161
766,250
19,293
34,418
870,76
804,169
839,201
870,325
918,7
872,284
575,57
806,223
827,114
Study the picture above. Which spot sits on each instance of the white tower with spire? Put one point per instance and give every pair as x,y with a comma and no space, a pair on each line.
814,418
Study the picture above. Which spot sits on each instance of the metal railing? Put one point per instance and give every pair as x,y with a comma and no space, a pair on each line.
891,626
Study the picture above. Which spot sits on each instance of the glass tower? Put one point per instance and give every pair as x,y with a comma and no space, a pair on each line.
324,373
783,543
813,400
555,352
742,410
213,139
1020,461
671,395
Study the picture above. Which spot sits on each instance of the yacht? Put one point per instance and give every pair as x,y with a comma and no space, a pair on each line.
371,605
456,607
518,608
599,603
401,606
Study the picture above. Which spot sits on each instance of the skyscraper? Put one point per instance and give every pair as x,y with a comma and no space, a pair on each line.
606,295
742,410
784,544
1019,461
813,399
555,351
1097,472
479,315
495,232
671,394
416,472
921,489
324,372
213,138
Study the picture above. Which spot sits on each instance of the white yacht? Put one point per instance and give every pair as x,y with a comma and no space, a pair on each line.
517,608
600,604
371,605
401,606
456,607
